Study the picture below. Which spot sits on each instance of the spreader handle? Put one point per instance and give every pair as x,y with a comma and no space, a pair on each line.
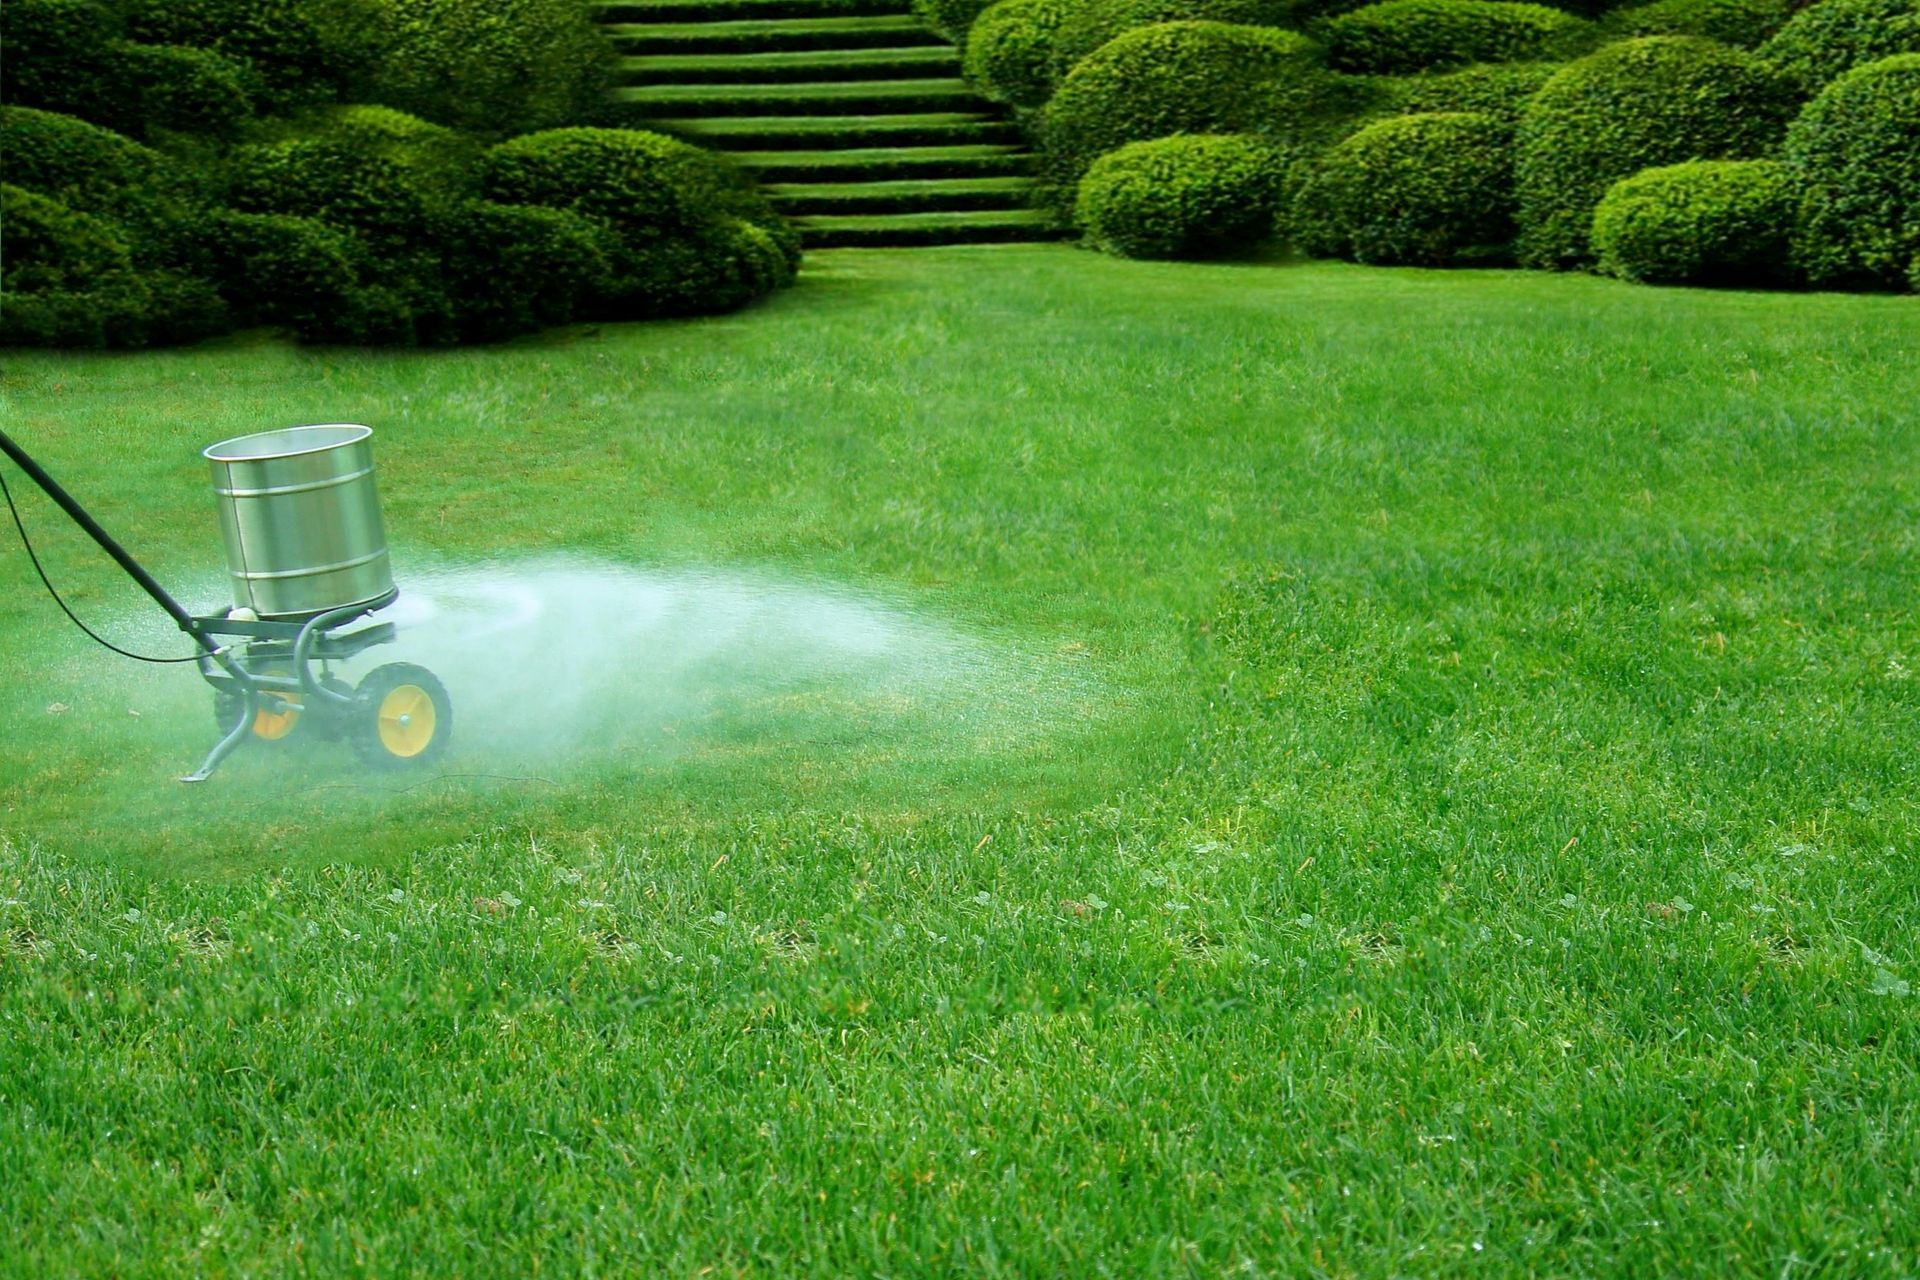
66,503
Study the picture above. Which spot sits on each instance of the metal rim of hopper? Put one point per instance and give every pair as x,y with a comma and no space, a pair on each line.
351,433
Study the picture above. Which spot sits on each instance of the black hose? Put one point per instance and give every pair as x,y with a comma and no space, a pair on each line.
27,542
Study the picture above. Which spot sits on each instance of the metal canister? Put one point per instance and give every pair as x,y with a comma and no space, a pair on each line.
301,519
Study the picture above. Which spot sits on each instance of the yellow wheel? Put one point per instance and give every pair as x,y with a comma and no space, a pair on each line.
402,716
274,713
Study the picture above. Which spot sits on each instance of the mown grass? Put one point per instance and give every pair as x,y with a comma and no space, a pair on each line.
1482,839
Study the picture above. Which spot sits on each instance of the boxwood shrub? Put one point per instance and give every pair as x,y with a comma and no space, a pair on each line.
304,50
514,268
294,273
1822,42
674,211
649,185
1088,24
71,279
953,19
97,171
174,88
53,247
1631,106
1190,196
1186,77
1010,56
1404,36
494,66
1855,153
1742,23
1708,222
51,52
1501,90
337,183
1421,190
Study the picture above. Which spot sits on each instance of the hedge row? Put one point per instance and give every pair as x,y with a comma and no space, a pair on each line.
1824,42
1660,100
371,226
1405,36
1647,160
263,202
1188,77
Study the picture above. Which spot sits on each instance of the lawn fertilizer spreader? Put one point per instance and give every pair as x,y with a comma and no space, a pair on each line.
307,559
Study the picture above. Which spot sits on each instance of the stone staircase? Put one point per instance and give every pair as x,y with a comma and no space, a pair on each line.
851,113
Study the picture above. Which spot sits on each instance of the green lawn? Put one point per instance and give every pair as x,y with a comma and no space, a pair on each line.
1255,770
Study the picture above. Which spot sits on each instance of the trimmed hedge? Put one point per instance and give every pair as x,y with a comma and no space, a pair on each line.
296,273
1823,42
98,171
1423,190
953,19
1184,197
1010,54
71,280
675,212
1501,90
492,66
337,183
1404,36
53,247
1088,24
1186,77
1709,222
645,183
517,268
1855,153
1631,106
174,87
51,52
303,50
1741,23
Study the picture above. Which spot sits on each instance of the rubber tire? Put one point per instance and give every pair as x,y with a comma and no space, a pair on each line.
364,725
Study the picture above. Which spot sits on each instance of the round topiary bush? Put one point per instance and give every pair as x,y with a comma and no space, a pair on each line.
1404,36
72,280
1823,42
1425,190
1191,196
304,50
953,19
337,183
52,52
493,66
1709,222
1010,50
295,273
1855,153
1186,77
53,247
1088,24
515,268
1631,106
1501,90
98,171
1742,23
647,184
177,88
672,209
